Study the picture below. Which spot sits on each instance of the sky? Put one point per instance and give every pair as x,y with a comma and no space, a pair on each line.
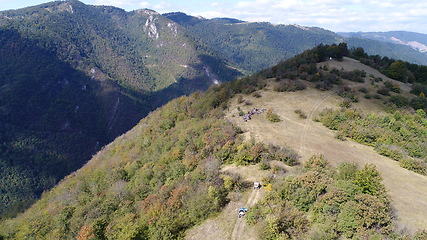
334,15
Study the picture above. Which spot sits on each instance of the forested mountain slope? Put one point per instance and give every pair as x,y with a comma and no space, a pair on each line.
52,119
140,49
74,77
254,46
417,41
391,50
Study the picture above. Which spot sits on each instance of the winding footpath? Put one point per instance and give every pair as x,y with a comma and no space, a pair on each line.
240,225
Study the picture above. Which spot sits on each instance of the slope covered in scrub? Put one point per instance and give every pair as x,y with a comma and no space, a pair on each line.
164,176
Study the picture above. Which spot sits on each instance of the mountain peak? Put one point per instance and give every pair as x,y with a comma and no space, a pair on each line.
416,41
147,11
63,6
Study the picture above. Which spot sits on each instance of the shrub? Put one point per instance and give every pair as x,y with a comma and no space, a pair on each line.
323,85
419,103
355,75
240,99
363,90
340,136
388,84
397,135
345,103
283,154
301,114
392,152
347,93
399,100
264,165
414,165
347,171
316,162
421,113
279,170
256,95
288,85
313,205
420,235
384,91
378,79
394,87
325,67
418,88
349,219
272,117
377,96
368,180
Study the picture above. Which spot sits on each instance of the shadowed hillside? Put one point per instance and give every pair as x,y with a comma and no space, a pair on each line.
52,119
73,77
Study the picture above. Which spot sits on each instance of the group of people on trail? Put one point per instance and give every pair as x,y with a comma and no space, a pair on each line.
247,116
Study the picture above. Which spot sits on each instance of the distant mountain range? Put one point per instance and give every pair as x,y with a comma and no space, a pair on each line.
255,46
73,77
417,41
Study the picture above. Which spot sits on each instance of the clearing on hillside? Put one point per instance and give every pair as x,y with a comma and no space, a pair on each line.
227,224
408,190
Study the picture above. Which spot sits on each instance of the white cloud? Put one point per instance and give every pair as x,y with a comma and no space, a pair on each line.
125,4
162,5
212,14
346,15
144,5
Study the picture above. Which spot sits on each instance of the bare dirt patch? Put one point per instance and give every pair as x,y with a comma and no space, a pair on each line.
241,229
407,189
216,228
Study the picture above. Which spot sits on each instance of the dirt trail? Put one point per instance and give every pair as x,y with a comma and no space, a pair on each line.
407,189
303,138
239,227
227,225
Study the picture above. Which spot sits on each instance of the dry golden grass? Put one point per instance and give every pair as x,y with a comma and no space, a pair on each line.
407,189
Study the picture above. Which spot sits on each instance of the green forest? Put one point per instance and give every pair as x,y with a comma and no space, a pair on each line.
73,80
399,135
254,46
